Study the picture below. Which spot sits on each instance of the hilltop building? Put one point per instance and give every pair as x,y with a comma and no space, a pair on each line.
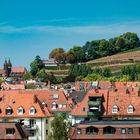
50,62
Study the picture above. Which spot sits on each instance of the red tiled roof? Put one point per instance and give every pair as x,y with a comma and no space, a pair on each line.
12,86
18,70
2,71
16,99
122,97
123,100
26,99
78,110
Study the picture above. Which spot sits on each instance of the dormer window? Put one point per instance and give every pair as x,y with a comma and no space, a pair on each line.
130,109
9,111
20,110
55,96
115,109
53,105
60,106
43,105
32,111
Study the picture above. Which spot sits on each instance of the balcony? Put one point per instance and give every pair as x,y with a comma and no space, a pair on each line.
93,114
33,138
30,127
94,103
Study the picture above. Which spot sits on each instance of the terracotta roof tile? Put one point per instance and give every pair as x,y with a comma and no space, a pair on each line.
35,98
18,70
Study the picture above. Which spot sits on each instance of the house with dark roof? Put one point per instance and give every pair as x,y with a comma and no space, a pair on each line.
105,130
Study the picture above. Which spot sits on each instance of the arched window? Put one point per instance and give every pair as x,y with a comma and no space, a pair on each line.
53,105
115,109
32,111
9,111
130,109
20,110
91,130
109,130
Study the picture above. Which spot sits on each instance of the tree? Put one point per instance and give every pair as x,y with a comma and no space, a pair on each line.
31,86
42,74
36,66
78,55
71,56
27,76
103,48
58,54
79,70
60,128
120,44
91,49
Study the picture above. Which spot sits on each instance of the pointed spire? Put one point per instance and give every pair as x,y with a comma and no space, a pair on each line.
9,63
5,63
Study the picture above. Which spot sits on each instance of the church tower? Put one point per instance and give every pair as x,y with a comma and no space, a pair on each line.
7,66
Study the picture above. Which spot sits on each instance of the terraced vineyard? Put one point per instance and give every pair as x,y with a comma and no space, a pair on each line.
116,62
118,58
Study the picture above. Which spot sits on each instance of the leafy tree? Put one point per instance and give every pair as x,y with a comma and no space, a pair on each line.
132,71
79,70
60,128
27,76
78,53
71,56
42,74
1,80
36,66
30,86
58,54
91,50
120,44
103,48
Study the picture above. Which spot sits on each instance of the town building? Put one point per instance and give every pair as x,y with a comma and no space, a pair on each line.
102,108
12,131
33,109
7,86
18,72
105,130
10,71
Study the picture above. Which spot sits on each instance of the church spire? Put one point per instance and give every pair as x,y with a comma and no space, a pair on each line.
9,63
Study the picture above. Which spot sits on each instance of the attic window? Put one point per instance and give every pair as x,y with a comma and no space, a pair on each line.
130,109
53,105
32,111
43,105
60,106
55,96
115,109
8,111
20,110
